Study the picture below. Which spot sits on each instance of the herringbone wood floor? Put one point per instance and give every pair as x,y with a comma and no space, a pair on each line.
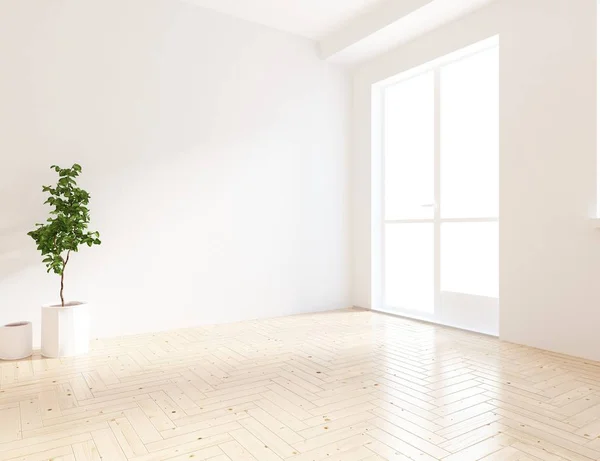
346,386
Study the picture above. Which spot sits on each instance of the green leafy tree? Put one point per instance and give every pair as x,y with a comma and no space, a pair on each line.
67,226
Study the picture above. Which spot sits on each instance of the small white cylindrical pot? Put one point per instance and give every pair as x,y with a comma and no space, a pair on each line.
15,341
66,330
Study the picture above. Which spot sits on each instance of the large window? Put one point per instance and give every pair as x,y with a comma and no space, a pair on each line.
438,130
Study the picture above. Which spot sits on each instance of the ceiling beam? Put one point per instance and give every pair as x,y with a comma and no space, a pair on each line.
367,24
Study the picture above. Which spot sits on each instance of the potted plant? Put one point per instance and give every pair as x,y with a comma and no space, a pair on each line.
65,326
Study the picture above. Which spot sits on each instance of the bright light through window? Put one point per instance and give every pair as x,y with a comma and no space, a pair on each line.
440,152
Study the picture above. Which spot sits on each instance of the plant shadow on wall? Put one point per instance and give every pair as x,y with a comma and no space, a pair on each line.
19,207
65,327
14,254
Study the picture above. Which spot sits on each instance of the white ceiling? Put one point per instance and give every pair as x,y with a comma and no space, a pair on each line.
309,18
434,14
349,31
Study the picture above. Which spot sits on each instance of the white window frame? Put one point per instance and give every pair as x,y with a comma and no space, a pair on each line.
378,220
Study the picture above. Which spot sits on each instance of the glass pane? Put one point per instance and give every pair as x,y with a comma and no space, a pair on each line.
409,147
409,266
469,258
469,112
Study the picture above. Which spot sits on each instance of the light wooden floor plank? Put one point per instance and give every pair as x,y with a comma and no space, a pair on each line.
349,385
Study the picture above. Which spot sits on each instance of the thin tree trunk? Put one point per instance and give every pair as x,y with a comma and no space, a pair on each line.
62,287
62,279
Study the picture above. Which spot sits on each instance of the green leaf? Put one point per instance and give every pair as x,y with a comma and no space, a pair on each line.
66,228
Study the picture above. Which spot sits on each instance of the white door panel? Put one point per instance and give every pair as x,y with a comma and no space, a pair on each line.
440,194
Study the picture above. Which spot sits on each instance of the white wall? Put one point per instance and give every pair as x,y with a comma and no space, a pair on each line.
549,252
215,151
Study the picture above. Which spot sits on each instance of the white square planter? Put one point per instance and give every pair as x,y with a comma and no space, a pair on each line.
15,341
65,330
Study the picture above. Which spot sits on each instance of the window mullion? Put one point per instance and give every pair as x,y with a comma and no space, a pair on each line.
437,192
